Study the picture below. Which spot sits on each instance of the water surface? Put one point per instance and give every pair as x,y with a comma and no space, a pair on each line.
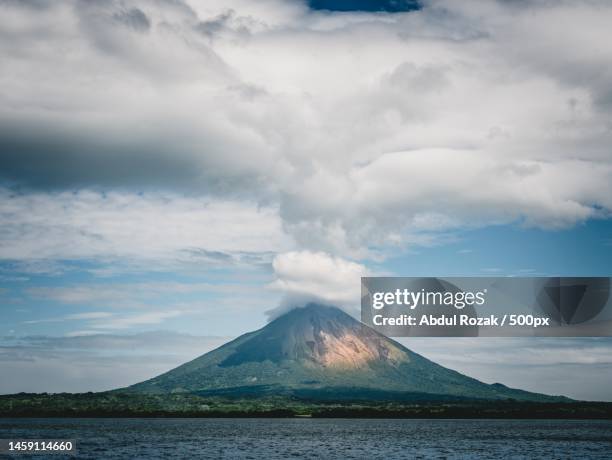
316,438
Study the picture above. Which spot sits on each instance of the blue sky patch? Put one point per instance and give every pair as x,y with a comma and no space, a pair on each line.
390,6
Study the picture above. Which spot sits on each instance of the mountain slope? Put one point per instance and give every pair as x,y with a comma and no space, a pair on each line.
320,351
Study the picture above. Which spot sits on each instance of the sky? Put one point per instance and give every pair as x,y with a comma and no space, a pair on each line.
172,173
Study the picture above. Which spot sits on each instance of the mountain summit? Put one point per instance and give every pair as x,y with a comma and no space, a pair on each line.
321,352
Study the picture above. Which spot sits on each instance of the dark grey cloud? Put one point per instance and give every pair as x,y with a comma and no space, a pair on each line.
35,4
214,26
133,18
57,157
226,24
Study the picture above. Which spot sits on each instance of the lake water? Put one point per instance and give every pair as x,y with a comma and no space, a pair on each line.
320,439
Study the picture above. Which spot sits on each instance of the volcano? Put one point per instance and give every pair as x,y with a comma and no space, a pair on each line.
321,352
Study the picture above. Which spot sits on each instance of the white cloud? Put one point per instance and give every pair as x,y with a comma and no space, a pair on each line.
89,224
145,294
134,294
106,321
363,130
129,321
316,276
90,315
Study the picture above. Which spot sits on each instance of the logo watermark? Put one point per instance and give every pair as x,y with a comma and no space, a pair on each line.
487,306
